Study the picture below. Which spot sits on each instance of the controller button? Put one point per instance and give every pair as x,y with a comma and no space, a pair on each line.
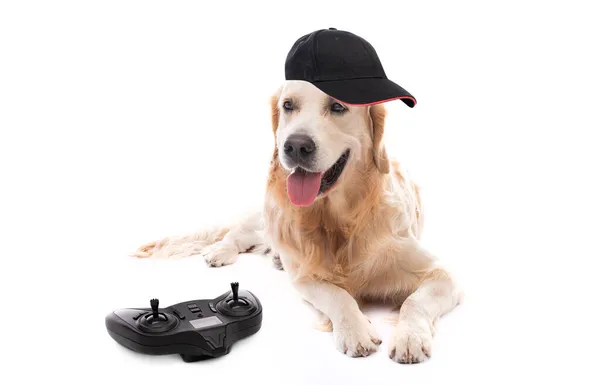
178,314
195,310
200,315
135,317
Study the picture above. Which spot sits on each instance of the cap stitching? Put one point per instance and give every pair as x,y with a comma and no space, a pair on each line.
314,55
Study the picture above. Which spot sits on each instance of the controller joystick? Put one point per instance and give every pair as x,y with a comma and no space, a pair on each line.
234,290
235,305
154,306
156,322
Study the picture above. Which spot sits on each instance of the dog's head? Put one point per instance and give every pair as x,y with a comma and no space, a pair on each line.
322,143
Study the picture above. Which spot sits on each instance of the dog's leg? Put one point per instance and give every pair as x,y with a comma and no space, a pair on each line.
352,332
220,246
435,295
246,236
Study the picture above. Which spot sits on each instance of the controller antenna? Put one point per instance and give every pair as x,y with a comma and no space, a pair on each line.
234,290
154,305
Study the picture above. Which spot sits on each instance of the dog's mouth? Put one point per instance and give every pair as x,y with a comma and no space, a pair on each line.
304,186
331,176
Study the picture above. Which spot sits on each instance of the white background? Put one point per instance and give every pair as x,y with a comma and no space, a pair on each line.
126,121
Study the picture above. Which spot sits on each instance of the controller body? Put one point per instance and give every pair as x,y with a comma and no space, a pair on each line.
196,330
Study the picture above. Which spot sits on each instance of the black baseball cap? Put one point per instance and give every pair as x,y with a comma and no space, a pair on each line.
344,66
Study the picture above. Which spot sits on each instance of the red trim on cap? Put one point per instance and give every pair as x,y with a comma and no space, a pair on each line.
382,101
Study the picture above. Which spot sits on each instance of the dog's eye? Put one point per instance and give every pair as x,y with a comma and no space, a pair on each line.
287,105
336,107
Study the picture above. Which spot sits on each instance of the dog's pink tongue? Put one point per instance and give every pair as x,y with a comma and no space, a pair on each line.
303,187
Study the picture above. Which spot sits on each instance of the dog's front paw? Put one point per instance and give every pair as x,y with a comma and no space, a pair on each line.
269,252
277,261
220,254
356,337
411,341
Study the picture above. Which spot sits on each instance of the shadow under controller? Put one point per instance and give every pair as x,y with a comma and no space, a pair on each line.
196,330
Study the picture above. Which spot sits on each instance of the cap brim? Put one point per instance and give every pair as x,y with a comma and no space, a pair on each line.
366,91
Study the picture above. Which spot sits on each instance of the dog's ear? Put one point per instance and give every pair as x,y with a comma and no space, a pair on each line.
275,122
378,113
275,110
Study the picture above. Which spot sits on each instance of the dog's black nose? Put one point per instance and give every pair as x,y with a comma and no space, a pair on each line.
299,148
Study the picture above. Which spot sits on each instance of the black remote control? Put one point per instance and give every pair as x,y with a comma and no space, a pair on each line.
196,330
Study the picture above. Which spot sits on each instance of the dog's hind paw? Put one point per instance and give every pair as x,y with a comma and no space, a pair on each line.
220,254
323,323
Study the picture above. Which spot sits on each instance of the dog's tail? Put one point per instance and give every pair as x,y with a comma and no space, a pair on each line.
182,246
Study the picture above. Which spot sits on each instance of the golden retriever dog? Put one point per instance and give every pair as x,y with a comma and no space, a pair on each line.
344,222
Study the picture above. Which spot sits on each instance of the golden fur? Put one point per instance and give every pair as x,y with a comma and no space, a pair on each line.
339,238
